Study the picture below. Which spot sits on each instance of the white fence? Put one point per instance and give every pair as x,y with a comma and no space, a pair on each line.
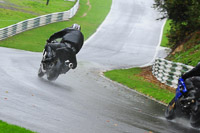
168,72
38,21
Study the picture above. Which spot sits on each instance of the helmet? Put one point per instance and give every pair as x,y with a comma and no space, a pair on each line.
76,26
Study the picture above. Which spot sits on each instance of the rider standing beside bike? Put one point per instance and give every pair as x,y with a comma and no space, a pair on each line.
71,38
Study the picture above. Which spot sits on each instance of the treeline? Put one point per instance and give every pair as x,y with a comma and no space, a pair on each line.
184,16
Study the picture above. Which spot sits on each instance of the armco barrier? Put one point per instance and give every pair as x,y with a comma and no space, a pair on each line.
38,21
168,72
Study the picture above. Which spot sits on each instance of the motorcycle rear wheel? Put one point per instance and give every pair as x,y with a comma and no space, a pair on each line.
170,110
195,119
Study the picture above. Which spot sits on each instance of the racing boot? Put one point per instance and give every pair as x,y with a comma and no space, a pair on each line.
48,56
69,64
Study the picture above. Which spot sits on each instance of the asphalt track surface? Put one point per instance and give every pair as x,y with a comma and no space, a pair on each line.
83,101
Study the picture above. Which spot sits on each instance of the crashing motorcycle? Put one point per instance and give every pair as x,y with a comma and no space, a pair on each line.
59,65
186,103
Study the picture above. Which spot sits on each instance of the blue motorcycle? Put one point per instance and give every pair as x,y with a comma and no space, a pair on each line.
185,103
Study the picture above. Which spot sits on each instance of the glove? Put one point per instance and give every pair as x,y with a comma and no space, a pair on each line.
48,41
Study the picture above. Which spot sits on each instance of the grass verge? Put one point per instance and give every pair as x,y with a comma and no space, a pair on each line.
164,42
90,15
189,51
8,128
13,11
136,78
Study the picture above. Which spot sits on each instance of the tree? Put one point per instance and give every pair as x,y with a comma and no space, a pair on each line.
185,16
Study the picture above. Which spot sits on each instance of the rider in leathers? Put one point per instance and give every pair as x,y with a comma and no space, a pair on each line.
192,79
72,41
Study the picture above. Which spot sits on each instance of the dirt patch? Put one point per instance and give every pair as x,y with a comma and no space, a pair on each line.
148,76
178,49
89,8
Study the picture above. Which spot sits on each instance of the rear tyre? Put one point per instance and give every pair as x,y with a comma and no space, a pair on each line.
170,110
195,119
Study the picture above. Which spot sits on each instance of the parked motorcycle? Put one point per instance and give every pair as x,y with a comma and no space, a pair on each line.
59,65
185,103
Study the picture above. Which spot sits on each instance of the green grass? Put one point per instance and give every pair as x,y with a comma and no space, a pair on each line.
9,17
190,47
39,6
131,78
190,51
26,9
189,57
8,128
164,42
34,40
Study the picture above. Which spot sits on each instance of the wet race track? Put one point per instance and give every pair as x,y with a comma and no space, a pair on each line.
83,101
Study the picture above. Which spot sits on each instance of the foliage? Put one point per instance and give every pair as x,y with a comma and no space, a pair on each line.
165,41
189,52
185,16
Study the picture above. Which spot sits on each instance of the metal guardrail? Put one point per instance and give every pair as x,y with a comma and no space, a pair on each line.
168,72
38,21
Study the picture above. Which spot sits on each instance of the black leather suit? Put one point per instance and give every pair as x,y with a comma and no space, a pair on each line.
192,78
71,38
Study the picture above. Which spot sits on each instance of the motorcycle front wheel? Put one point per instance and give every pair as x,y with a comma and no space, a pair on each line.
52,75
54,72
170,110
195,118
40,73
